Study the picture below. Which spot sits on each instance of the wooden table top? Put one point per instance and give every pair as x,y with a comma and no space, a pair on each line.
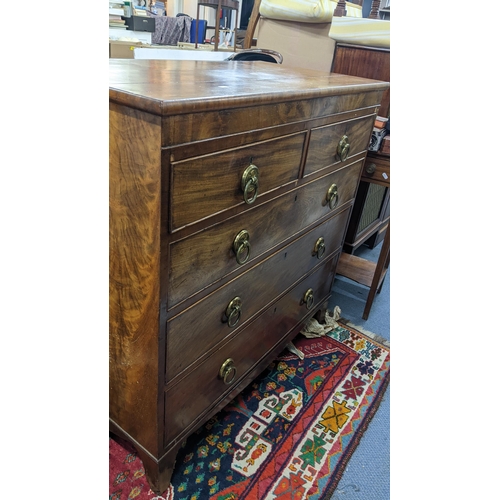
165,86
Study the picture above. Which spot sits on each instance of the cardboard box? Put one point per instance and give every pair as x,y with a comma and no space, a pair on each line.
302,45
123,50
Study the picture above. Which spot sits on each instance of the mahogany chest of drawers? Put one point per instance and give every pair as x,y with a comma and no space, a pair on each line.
231,186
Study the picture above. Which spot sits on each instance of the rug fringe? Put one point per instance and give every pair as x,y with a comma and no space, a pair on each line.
374,336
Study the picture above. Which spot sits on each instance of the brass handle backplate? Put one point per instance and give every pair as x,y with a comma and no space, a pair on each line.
319,247
308,299
332,197
233,312
250,184
241,247
227,371
370,168
343,147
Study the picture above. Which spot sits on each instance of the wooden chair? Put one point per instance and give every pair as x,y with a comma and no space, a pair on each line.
254,54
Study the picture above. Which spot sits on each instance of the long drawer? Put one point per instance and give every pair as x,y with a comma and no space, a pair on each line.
333,144
244,350
193,332
191,127
209,184
202,259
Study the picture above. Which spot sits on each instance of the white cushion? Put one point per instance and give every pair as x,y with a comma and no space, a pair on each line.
364,31
306,11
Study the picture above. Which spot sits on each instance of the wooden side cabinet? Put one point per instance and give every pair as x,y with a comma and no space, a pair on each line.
371,211
375,174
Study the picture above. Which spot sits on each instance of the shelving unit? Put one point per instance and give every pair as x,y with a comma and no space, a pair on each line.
232,5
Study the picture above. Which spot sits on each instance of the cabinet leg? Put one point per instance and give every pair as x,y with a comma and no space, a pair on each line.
383,261
159,472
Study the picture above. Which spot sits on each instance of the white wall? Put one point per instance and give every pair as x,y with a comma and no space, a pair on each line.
188,7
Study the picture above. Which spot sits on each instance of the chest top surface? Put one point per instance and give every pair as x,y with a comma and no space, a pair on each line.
165,87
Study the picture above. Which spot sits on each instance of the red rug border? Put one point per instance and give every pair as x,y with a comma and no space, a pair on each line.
358,435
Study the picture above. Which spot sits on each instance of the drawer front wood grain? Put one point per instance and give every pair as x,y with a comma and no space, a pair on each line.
209,184
322,152
190,127
202,326
204,258
249,346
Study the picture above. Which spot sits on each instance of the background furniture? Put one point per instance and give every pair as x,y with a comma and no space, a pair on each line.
256,55
376,172
371,212
340,10
218,5
228,210
368,62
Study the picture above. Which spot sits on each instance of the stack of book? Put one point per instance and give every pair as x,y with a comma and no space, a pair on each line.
381,122
139,11
116,12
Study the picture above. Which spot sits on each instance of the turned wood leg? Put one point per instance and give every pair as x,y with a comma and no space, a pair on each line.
159,472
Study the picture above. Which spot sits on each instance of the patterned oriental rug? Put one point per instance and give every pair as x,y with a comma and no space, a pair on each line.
287,436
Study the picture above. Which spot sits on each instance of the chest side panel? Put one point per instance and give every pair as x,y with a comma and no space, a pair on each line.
134,258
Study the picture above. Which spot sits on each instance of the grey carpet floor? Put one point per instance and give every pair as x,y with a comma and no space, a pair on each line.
367,474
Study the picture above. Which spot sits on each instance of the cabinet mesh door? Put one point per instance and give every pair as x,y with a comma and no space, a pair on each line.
372,207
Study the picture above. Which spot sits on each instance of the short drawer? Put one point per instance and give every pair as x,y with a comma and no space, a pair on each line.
199,328
334,144
212,183
245,350
204,258
377,170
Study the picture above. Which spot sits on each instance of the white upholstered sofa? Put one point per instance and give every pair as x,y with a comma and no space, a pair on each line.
305,31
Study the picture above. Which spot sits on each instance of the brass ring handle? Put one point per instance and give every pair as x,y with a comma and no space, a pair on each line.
319,247
308,299
250,184
332,197
241,247
370,168
233,312
343,147
227,371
